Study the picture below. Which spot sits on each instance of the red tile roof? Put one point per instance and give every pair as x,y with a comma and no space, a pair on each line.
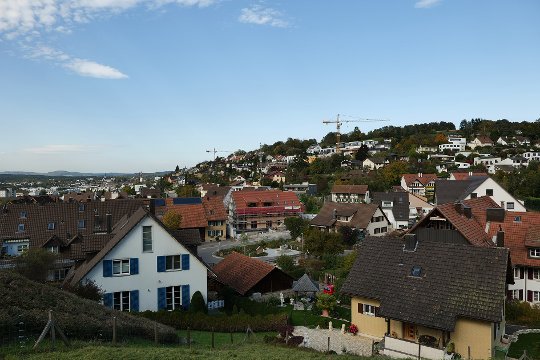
466,175
214,208
193,216
241,272
520,234
254,201
424,179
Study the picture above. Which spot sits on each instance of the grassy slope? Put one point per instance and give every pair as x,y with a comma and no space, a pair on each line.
529,342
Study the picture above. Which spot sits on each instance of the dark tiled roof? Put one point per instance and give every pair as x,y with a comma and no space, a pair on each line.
456,281
305,284
361,213
400,200
447,191
187,236
242,272
424,179
349,189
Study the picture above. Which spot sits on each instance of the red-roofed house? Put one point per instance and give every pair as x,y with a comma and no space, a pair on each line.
480,141
521,234
419,184
261,210
465,175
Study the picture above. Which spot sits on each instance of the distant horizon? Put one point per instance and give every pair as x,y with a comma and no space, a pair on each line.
150,84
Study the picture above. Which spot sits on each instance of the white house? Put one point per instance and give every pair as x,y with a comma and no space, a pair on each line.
532,155
480,141
144,267
374,163
454,144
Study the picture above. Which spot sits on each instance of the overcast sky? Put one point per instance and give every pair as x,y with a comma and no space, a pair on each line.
144,85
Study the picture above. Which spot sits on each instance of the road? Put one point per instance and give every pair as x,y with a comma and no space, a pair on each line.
206,250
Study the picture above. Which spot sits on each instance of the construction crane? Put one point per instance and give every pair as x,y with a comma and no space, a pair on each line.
217,151
340,122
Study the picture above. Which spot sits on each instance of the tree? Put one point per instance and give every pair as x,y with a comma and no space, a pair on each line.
177,169
88,290
197,304
172,220
187,191
362,153
285,263
350,236
35,263
320,243
296,226
129,190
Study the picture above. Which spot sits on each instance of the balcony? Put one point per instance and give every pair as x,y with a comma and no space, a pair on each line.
403,349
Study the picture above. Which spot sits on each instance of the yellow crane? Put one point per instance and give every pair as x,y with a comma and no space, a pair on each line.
340,122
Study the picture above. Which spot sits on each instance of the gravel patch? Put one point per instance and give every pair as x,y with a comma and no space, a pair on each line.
318,339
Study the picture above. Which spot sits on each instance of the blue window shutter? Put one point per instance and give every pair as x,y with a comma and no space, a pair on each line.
185,296
107,268
160,263
108,300
185,261
161,299
134,266
134,300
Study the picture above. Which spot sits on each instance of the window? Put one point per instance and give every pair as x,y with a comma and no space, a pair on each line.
535,253
535,273
23,214
268,223
172,263
510,205
489,192
51,226
416,271
473,195
120,267
384,229
173,297
517,294
377,230
254,224
22,248
369,310
81,207
536,296
517,218
81,224
147,238
20,228
54,249
517,273
58,274
121,300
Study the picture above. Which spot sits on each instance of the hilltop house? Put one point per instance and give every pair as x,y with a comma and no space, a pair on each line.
480,141
422,296
395,206
368,218
144,267
350,193
447,191
419,184
374,163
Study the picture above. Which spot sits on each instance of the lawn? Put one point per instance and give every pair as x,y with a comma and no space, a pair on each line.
526,342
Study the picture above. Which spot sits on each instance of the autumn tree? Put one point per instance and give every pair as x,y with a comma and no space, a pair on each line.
296,226
172,220
321,243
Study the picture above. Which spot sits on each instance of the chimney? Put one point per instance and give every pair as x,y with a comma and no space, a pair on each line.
467,211
457,207
334,214
495,214
419,174
470,173
109,223
153,207
410,242
500,237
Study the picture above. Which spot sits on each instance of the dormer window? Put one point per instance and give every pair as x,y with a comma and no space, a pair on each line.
51,226
23,214
534,253
416,271
81,207
54,249
20,228
517,218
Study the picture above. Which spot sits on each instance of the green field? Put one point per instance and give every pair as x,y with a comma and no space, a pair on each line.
526,342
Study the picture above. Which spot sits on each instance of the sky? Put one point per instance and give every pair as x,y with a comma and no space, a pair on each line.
145,85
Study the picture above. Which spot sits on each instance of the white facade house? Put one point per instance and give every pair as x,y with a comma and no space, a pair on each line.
532,155
491,188
144,267
374,163
454,144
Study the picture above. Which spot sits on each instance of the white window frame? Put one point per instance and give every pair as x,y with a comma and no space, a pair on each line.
173,297
369,309
535,273
171,264
145,231
536,296
517,273
51,226
121,267
119,300
55,249
510,205
22,248
534,253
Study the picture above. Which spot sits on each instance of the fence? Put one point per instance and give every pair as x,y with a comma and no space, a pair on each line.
218,304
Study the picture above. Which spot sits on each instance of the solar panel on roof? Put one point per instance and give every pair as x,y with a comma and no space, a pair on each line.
187,201
159,202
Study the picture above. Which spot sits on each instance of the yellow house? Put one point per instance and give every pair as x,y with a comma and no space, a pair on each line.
429,296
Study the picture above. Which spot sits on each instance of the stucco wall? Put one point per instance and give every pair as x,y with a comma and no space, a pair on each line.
367,324
148,280
499,194
476,334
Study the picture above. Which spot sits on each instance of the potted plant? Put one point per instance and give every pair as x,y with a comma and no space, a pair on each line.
353,329
326,303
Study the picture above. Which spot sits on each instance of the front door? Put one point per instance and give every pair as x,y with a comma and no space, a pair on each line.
409,332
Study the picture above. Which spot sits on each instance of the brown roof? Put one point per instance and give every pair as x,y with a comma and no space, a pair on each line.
214,208
241,272
484,139
350,189
424,179
193,215
473,229
520,235
467,175
361,215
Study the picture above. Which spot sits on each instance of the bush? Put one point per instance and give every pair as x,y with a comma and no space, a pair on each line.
523,313
35,263
285,263
197,304
326,301
89,290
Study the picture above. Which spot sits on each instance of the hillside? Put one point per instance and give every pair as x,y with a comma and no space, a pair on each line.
29,302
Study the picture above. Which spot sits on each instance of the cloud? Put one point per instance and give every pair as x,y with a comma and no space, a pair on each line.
260,15
60,149
29,21
424,4
93,69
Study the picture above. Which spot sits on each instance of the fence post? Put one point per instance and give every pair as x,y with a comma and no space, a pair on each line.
189,337
156,333
419,349
114,330
232,341
287,337
469,352
53,333
213,338
328,344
